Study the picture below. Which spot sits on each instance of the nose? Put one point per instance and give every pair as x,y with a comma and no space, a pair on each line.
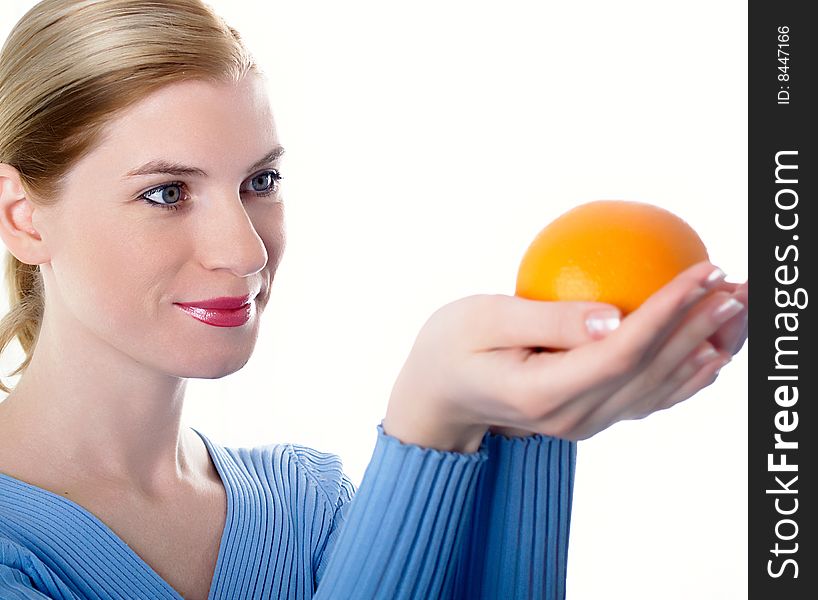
228,238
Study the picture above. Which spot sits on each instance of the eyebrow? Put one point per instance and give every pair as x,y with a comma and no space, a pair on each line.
165,167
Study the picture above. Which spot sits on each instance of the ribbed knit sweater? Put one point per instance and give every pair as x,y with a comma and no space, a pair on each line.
423,524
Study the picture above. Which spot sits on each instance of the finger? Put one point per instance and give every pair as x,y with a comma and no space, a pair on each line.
704,357
525,323
649,326
619,392
741,338
631,403
731,336
697,326
589,372
731,287
625,350
607,403
704,377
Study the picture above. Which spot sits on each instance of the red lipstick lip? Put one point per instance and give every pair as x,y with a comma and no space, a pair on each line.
221,317
220,303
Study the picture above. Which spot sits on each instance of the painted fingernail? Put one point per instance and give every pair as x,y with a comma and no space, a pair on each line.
727,309
714,278
705,355
602,322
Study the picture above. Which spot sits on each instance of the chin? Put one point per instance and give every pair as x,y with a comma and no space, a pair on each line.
209,360
212,369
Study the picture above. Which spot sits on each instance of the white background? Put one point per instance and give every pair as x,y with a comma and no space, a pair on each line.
427,144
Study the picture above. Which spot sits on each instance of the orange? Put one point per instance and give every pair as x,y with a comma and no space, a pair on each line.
613,251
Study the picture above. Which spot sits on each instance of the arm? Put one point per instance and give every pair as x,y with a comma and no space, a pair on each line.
515,525
517,542
16,585
401,533
471,367
23,575
536,474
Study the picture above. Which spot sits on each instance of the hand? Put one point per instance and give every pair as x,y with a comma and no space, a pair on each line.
475,363
727,341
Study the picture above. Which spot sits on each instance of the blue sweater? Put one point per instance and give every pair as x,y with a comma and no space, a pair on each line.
423,524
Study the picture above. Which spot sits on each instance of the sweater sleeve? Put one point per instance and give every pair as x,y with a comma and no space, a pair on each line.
24,576
517,542
15,585
400,535
493,524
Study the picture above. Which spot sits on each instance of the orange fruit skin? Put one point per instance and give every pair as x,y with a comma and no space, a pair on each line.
613,251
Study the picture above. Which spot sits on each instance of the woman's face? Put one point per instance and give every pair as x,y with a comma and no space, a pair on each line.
118,263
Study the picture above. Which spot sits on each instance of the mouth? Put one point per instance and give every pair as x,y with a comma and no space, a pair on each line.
224,311
220,303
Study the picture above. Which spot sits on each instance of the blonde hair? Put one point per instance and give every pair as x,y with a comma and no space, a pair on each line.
67,69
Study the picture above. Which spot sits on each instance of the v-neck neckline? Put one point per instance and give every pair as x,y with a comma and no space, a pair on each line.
125,549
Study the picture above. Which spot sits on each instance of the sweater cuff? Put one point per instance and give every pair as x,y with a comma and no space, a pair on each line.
405,522
518,544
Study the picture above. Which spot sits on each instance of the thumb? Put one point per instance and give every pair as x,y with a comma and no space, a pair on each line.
551,324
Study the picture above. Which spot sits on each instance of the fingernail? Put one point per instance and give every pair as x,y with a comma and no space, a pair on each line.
601,323
705,355
727,309
714,278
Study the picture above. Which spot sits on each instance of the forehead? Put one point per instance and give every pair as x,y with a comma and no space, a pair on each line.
216,126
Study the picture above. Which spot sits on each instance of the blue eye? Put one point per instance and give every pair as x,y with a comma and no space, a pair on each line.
265,183
172,196
164,196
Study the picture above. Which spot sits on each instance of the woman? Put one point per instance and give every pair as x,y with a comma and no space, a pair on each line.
139,178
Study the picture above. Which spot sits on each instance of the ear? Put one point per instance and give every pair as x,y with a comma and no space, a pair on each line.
16,219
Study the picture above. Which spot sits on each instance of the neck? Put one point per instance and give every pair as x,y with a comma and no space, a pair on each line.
105,416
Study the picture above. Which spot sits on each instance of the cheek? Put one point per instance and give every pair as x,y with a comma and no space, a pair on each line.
113,277
271,228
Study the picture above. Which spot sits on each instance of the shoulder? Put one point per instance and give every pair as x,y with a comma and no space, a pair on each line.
322,472
22,569
12,554
326,472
